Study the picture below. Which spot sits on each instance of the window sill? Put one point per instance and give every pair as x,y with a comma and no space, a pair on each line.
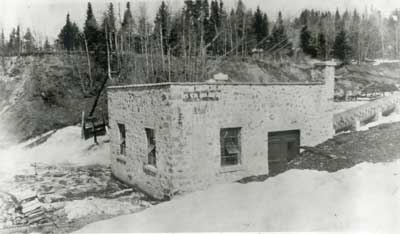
226,169
150,170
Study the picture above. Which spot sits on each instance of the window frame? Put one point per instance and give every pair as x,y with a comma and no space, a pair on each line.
151,152
230,138
122,138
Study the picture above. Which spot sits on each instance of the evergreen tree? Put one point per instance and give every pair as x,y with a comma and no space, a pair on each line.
342,48
111,19
47,46
12,42
90,29
161,28
69,35
355,34
18,40
322,47
338,22
279,38
2,42
260,26
214,27
175,34
128,22
307,42
29,41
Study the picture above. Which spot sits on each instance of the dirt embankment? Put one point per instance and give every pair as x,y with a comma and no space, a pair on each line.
41,93
357,78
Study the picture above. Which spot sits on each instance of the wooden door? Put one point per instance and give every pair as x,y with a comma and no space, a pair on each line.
282,148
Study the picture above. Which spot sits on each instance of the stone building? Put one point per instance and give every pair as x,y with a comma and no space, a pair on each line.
170,138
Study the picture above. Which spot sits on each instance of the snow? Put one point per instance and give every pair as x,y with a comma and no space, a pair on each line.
363,198
65,146
96,206
221,77
381,61
393,118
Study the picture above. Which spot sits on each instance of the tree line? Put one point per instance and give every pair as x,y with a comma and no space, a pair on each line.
350,35
180,43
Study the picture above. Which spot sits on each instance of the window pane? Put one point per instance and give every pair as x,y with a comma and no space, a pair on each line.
122,138
151,146
230,146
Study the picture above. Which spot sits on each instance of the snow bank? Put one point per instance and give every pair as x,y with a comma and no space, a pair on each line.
393,118
383,61
365,197
95,206
65,146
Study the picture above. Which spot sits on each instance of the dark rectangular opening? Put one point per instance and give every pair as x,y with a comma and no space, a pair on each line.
122,139
282,148
151,147
230,146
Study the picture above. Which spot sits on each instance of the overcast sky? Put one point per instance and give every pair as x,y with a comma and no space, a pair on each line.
46,17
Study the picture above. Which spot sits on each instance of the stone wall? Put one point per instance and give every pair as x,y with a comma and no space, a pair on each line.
140,108
353,118
257,110
187,118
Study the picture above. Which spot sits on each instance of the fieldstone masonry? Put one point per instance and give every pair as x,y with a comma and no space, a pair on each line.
187,119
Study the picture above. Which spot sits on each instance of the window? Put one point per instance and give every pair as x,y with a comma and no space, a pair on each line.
230,146
122,139
151,147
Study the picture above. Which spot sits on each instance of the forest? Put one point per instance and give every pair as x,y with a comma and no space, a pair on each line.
181,44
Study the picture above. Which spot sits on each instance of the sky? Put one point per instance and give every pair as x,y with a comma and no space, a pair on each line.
46,17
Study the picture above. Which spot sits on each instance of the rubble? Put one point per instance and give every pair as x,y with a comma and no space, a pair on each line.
57,198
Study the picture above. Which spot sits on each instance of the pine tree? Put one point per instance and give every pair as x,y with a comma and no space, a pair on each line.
69,35
260,26
338,22
214,27
279,38
322,47
162,25
18,40
12,41
342,48
355,34
47,46
128,22
90,29
2,42
175,34
29,42
307,42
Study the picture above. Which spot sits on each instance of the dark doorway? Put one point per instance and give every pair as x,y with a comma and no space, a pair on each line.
282,148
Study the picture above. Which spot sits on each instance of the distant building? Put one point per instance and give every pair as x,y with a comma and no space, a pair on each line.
171,138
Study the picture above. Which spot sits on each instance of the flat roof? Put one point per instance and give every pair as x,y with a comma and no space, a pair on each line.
165,84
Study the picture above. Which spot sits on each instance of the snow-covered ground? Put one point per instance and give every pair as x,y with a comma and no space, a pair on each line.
64,147
363,198
393,118
382,61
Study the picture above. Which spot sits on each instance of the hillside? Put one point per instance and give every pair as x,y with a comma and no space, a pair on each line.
41,93
355,78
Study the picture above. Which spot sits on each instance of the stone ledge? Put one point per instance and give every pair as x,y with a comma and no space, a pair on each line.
150,170
227,169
